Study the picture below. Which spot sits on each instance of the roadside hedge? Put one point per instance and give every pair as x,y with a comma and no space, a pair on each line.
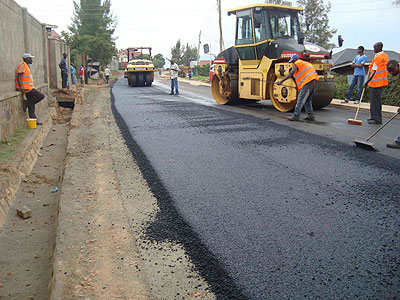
390,93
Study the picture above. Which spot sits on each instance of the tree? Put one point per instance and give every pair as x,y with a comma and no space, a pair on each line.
177,53
189,54
158,61
92,29
396,3
316,22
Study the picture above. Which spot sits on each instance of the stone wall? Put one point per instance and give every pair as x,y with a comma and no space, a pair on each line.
20,32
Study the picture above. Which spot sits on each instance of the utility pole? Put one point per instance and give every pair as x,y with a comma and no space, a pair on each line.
221,39
198,49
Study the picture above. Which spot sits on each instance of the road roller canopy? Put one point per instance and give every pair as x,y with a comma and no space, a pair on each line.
260,22
140,62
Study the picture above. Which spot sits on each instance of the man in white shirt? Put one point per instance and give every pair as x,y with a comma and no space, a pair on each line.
174,77
107,74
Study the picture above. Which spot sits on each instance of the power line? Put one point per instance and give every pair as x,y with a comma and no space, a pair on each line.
357,11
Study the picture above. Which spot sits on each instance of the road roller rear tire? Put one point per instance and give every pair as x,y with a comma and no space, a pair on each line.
222,97
133,79
148,79
140,77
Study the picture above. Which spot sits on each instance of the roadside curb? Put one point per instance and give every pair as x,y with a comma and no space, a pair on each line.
23,161
387,110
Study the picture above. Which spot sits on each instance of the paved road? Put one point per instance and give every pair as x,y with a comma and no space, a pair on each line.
278,212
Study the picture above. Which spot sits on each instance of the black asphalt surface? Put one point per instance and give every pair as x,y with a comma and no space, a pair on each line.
265,210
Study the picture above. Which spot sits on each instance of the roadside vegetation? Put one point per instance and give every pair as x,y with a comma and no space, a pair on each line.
10,145
390,94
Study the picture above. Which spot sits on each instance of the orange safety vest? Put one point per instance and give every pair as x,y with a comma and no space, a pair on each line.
26,78
381,76
304,74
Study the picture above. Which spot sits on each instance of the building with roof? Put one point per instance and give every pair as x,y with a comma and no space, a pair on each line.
342,60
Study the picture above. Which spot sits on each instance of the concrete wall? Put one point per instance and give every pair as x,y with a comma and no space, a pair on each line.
20,32
56,50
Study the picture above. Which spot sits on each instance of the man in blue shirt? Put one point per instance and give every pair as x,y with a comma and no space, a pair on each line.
64,70
359,75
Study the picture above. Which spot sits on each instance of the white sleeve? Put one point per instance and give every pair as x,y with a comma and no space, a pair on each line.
374,67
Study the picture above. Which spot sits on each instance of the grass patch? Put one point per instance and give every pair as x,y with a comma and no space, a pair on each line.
201,78
10,145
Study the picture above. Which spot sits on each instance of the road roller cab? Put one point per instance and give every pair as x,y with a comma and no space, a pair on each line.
266,37
140,68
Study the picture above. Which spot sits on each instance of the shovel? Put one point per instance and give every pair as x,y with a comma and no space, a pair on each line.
366,144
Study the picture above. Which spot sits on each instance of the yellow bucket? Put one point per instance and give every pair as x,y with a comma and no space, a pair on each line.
31,123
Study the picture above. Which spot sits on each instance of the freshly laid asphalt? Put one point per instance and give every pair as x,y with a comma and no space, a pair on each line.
265,210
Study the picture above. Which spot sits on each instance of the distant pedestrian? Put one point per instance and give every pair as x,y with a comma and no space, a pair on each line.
82,73
24,84
174,77
73,74
378,78
306,79
64,71
107,74
358,76
393,68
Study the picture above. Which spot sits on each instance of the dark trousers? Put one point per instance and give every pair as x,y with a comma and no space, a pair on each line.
305,99
64,78
32,98
375,105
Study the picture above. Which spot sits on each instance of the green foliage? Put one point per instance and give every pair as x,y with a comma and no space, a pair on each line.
91,30
11,144
203,70
177,52
182,55
390,93
158,61
316,22
189,54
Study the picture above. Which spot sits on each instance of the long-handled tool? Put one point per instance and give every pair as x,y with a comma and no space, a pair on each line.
366,144
355,121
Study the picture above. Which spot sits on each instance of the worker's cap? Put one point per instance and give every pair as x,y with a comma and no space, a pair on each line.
293,57
27,55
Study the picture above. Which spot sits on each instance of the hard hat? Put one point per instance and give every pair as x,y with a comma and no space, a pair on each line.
293,57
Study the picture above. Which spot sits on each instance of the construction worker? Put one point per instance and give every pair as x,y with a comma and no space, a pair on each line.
358,76
377,80
306,79
24,84
393,68
64,71
174,77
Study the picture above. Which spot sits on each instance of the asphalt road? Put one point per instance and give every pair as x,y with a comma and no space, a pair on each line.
268,209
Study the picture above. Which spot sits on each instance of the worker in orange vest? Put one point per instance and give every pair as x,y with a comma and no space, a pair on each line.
24,84
306,78
377,80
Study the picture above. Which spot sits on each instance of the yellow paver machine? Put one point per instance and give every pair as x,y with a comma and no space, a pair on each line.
266,37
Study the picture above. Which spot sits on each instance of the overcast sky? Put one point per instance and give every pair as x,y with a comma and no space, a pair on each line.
160,23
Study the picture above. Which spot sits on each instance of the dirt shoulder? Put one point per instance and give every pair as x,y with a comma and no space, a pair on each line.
102,250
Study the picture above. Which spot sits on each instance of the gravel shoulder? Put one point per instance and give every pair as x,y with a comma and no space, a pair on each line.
102,248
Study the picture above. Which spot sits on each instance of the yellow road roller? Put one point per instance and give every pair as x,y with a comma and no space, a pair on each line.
140,68
266,37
